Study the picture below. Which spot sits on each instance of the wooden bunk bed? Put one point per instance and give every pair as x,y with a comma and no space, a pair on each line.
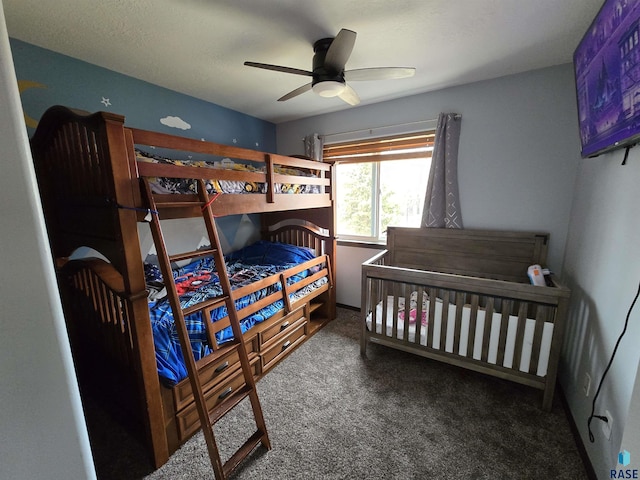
90,172
463,297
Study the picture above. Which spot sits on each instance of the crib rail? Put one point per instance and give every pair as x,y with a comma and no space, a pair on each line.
506,329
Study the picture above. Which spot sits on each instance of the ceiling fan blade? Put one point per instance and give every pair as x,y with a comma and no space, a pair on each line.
278,68
380,73
340,50
296,92
350,96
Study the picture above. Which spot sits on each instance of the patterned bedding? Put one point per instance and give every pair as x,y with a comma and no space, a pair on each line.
198,281
179,185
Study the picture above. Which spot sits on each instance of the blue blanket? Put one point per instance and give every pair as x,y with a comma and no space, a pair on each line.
198,281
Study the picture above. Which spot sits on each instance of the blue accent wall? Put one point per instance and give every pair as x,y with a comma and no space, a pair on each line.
55,79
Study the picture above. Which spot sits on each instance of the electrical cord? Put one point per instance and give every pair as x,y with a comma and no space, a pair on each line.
606,370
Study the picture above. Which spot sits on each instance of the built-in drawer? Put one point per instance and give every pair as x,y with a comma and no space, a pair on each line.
282,325
282,345
188,420
212,373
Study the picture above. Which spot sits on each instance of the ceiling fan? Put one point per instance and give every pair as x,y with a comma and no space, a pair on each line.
329,77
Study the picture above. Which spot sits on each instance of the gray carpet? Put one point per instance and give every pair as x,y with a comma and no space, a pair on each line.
333,415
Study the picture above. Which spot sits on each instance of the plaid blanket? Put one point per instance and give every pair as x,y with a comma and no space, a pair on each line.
198,281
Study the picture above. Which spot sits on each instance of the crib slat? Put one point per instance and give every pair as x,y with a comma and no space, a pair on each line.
486,336
457,327
396,294
445,320
473,321
504,325
522,320
541,316
433,298
373,302
406,293
419,298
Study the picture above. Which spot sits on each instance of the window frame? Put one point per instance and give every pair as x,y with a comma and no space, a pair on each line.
375,151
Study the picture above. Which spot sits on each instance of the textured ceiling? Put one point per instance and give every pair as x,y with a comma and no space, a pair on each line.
198,47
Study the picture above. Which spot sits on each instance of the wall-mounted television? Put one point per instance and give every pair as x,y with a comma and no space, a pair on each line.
607,74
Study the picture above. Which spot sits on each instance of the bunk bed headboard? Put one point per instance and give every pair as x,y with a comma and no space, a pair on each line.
478,253
85,186
317,231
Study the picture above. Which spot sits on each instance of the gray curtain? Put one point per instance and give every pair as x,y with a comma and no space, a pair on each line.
441,203
313,146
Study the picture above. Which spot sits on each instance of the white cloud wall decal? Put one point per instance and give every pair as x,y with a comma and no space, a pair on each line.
175,122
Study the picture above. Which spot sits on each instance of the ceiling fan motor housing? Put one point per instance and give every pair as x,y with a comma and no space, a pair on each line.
320,73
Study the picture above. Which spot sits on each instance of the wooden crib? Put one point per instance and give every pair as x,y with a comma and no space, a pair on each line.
463,297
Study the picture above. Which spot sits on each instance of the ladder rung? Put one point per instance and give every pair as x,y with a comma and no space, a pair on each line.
211,303
182,204
242,453
195,254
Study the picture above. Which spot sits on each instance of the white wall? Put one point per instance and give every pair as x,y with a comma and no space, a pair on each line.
518,157
348,277
602,268
631,437
43,431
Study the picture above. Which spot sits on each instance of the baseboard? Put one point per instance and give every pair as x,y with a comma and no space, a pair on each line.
348,307
576,435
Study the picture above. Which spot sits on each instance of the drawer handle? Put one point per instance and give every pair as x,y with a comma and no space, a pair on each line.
221,367
226,393
284,325
286,345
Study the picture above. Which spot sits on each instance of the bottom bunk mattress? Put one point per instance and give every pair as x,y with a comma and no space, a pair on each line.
198,281
445,341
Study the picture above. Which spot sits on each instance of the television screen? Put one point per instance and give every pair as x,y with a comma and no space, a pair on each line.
607,74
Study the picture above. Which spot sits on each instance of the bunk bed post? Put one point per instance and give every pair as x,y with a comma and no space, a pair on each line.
333,236
134,282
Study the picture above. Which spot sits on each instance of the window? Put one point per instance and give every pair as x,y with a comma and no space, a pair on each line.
380,182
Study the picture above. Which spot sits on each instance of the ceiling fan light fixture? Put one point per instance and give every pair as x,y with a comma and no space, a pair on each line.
329,88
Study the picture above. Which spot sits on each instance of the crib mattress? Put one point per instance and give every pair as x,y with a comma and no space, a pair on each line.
445,340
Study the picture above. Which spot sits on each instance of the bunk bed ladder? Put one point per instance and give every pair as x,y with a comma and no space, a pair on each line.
229,399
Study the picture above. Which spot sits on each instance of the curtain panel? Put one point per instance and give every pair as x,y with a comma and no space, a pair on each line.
442,204
313,145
